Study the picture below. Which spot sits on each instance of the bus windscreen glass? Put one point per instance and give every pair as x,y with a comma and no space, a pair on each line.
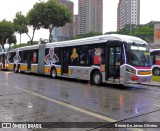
138,55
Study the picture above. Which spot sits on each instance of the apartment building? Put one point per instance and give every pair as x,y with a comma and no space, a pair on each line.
128,12
90,16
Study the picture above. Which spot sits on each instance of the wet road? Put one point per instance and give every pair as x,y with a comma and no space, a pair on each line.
32,98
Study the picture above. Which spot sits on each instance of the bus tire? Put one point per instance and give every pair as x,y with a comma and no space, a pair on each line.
156,71
97,78
53,73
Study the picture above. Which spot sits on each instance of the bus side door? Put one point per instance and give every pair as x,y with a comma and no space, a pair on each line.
65,61
113,62
29,60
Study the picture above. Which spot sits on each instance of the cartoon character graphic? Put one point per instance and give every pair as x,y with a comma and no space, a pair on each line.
34,58
8,57
74,54
158,59
51,58
97,56
17,58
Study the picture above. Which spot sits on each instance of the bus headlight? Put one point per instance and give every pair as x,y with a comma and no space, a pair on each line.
129,69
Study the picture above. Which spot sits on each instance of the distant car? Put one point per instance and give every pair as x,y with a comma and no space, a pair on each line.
155,57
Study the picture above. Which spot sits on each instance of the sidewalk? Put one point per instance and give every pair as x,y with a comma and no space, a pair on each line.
153,83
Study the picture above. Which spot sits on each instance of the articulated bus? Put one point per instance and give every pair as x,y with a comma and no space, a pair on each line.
155,57
3,61
111,58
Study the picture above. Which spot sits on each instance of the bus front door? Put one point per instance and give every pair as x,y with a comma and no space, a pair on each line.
65,62
113,63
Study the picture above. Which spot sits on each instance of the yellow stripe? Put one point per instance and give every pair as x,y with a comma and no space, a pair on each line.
69,72
23,67
10,66
47,70
32,68
58,71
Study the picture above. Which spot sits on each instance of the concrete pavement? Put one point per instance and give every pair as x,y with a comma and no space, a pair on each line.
153,83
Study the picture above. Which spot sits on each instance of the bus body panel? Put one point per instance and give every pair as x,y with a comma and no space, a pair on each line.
41,56
155,56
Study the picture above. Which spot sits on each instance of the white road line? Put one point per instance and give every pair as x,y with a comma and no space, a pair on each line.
156,105
72,107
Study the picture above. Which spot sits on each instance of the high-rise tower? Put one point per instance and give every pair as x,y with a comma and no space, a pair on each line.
128,12
90,16
65,32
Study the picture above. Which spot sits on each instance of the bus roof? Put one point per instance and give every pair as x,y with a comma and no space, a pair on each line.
154,50
90,40
99,39
3,53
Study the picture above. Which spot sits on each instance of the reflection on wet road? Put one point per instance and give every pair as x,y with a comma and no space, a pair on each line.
27,97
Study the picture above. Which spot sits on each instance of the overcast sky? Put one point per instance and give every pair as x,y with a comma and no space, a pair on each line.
150,10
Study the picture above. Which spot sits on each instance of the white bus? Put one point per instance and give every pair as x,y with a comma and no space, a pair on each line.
155,57
117,59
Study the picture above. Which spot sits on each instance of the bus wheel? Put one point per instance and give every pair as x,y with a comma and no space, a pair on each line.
97,78
53,73
156,71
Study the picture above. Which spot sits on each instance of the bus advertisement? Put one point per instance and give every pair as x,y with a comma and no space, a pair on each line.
114,58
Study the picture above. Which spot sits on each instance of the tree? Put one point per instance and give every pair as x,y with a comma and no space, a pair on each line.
145,32
11,39
90,34
6,31
34,18
48,15
20,24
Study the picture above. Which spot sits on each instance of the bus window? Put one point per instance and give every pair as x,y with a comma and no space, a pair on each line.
24,56
86,56
34,55
11,56
57,52
157,59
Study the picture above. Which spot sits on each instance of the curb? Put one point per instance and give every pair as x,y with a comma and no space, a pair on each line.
151,85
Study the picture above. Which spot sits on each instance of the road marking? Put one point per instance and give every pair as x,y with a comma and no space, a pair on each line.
72,107
156,105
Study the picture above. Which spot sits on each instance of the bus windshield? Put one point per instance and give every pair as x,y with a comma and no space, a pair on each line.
138,56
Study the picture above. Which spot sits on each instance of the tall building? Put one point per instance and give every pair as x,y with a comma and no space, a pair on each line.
65,32
128,12
90,16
